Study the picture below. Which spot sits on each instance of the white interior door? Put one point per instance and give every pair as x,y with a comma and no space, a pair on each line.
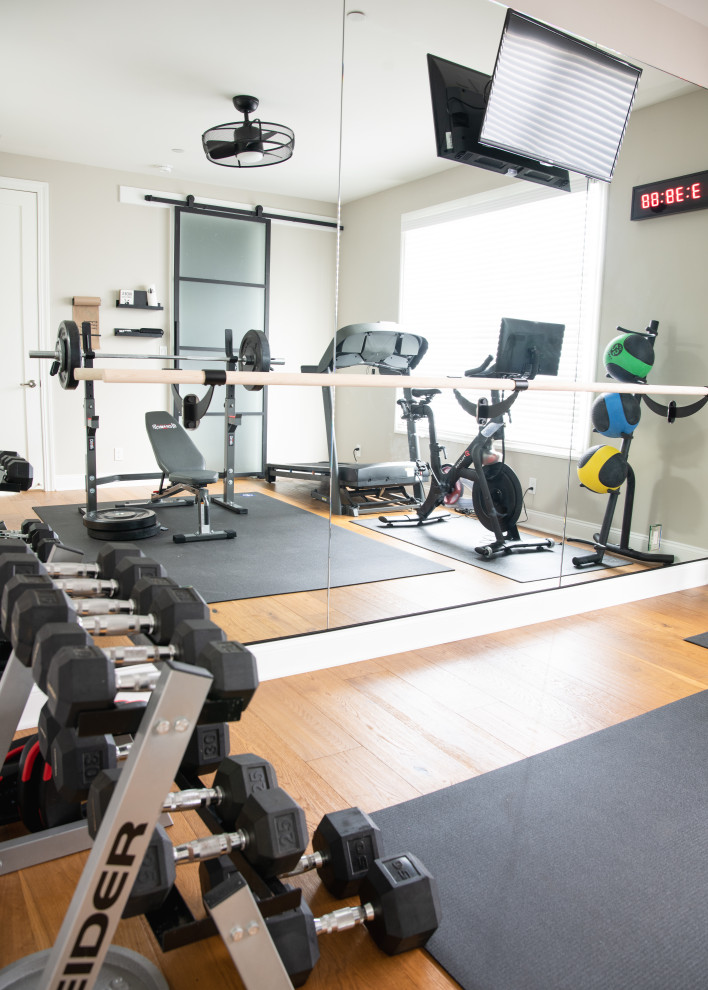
21,296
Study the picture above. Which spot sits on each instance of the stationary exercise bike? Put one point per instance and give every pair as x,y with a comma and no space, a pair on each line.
525,349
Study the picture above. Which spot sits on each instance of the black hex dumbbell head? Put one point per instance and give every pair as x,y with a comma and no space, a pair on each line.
130,570
110,555
77,760
144,591
40,532
44,547
191,636
11,592
47,729
207,747
172,606
233,668
239,776
31,611
80,679
156,876
99,796
405,899
48,641
295,937
276,831
349,842
13,544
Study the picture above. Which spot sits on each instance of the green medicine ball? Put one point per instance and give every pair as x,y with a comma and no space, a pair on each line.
602,469
629,357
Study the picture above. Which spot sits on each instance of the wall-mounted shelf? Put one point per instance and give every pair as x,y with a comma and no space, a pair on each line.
143,332
136,306
140,301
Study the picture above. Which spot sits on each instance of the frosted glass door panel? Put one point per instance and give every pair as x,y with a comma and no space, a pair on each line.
222,248
207,309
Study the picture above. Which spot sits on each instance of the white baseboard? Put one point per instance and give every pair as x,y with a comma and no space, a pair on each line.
580,529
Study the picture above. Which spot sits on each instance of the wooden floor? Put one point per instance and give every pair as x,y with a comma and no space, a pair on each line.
256,619
386,730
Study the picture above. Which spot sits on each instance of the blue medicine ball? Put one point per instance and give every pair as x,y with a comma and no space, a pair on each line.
614,415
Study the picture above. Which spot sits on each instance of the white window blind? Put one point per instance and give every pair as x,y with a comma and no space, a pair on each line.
518,253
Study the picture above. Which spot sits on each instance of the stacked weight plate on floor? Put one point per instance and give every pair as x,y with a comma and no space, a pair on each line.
121,523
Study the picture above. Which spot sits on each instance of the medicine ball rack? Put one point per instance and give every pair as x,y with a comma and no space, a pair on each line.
132,520
671,412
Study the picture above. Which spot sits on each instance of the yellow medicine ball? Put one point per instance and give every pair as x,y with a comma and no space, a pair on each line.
602,469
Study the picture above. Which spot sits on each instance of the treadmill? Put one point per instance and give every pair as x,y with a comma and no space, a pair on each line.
363,488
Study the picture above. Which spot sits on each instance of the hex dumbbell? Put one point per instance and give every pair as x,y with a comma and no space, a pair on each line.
345,845
34,607
84,678
103,567
77,761
270,833
237,777
187,644
399,906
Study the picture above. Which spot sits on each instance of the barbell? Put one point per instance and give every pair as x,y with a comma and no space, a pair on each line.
254,354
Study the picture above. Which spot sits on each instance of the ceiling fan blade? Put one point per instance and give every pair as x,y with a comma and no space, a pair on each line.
221,149
268,135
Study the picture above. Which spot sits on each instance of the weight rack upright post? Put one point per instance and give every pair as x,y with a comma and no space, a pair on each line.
232,420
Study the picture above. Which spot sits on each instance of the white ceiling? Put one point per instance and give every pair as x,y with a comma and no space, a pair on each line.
122,85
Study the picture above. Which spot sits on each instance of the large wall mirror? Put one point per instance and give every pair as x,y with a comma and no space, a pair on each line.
569,258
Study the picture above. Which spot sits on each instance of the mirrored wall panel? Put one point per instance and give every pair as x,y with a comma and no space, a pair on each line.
508,265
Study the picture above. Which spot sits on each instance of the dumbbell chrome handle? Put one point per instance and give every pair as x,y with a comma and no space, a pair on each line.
344,918
132,680
313,861
210,848
86,586
102,606
193,797
139,654
89,569
117,625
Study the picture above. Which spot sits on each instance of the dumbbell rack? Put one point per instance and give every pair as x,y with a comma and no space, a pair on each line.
83,942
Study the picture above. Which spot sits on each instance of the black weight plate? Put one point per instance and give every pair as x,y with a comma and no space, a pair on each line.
254,355
120,518
120,536
67,353
506,495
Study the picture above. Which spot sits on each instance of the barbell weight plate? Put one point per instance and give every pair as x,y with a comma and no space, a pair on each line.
254,355
67,353
120,518
124,535
121,968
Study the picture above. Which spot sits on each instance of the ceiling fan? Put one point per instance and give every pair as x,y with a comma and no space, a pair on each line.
248,143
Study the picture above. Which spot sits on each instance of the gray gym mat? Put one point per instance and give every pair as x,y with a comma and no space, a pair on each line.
581,868
700,640
278,549
458,536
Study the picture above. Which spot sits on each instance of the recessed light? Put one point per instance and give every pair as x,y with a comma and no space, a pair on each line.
163,168
177,151
356,15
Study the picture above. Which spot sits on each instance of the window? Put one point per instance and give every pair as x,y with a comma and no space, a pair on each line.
524,253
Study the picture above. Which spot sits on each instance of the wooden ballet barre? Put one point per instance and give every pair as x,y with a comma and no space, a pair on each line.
123,376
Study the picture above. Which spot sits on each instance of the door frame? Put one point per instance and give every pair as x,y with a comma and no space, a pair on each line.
45,335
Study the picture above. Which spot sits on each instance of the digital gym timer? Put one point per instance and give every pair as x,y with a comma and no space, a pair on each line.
669,196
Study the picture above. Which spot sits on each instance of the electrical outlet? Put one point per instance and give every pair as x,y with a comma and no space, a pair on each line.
117,453
531,487
655,536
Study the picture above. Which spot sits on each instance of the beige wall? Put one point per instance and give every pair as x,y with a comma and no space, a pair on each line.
99,245
653,270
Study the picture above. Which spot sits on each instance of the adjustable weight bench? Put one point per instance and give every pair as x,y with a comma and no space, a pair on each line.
182,465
